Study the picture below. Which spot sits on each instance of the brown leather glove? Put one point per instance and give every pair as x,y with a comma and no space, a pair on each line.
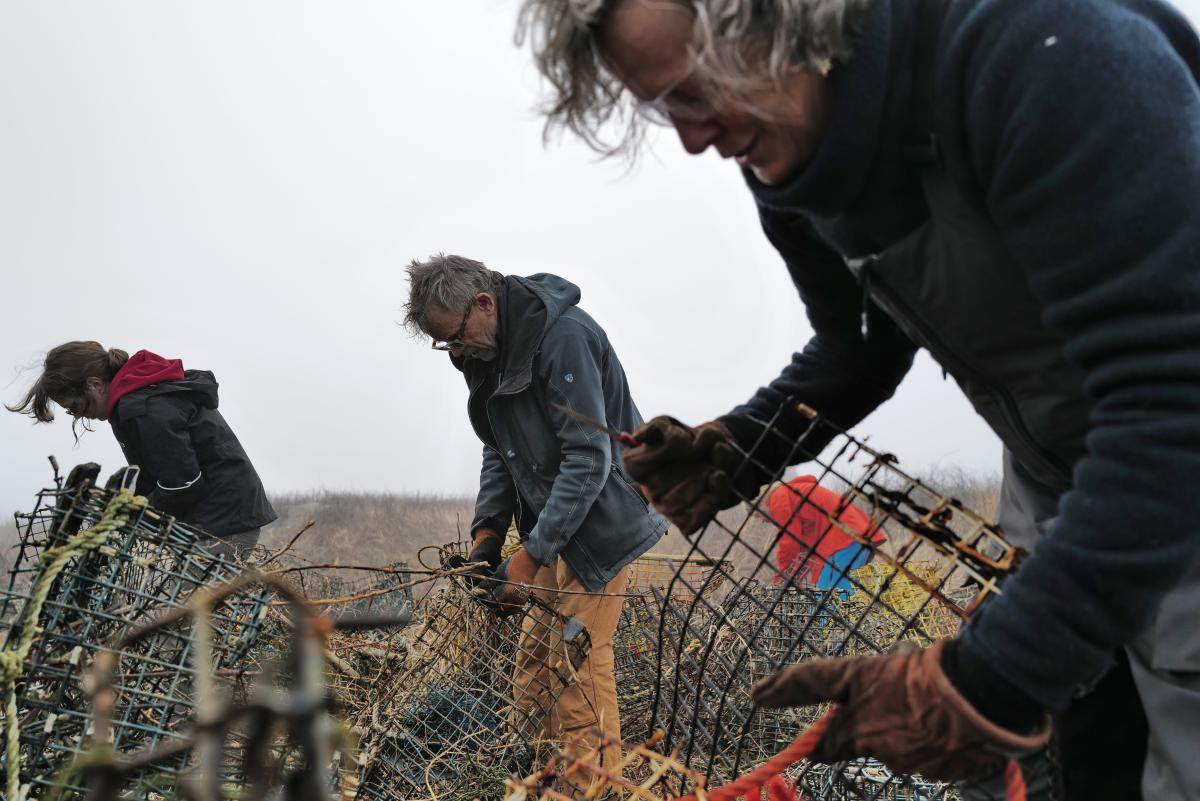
506,591
486,548
687,473
901,709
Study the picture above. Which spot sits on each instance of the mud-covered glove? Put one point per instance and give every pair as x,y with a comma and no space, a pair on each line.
484,556
689,474
506,591
901,709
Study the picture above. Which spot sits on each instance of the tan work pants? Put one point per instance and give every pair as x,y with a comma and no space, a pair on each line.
590,697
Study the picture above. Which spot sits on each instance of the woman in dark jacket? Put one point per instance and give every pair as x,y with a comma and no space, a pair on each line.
166,421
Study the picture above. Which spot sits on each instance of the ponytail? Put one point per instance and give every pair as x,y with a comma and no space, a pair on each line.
64,375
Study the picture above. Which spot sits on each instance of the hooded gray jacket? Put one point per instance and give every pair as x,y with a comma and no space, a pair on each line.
563,482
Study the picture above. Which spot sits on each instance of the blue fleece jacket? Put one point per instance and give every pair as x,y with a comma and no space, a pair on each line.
1074,125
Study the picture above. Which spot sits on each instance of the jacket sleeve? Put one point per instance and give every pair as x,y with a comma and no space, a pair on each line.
496,502
840,373
165,445
571,370
1083,126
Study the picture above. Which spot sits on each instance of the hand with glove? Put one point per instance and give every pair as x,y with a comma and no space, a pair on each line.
484,556
689,474
507,589
901,709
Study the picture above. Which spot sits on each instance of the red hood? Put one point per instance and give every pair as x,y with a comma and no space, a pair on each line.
143,369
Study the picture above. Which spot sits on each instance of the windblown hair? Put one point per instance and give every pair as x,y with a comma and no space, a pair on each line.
450,282
64,377
746,45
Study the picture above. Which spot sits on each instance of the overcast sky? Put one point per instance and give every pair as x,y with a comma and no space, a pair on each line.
240,184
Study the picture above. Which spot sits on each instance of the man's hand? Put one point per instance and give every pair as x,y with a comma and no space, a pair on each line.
486,548
484,556
687,473
507,589
901,709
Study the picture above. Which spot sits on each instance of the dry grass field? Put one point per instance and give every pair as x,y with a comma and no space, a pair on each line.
373,529
377,529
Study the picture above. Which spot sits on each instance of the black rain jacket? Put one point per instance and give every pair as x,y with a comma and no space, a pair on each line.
192,465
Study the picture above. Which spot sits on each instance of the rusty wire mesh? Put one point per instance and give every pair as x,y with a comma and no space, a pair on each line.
576,771
356,658
470,705
657,570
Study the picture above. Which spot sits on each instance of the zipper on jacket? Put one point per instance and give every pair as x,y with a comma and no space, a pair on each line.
487,411
963,367
861,270
865,282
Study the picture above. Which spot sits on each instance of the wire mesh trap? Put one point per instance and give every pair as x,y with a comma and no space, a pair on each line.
471,703
278,740
657,570
575,771
853,559
91,565
356,659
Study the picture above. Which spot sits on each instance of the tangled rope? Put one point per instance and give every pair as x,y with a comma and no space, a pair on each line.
12,660
768,775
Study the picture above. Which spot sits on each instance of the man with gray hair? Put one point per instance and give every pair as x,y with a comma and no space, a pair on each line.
1011,186
530,356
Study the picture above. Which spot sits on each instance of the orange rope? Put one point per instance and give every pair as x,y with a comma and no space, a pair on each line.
768,773
1014,781
752,781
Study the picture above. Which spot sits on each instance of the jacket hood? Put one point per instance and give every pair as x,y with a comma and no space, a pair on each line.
150,373
556,293
528,307
141,370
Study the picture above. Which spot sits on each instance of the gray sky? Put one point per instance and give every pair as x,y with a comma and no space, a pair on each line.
240,184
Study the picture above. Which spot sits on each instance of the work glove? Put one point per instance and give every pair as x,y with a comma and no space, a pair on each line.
689,473
901,709
484,556
506,591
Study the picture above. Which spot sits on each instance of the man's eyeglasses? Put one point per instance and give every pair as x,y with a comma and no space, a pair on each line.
672,105
455,341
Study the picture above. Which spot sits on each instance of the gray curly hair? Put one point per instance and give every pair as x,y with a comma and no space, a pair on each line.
746,44
448,281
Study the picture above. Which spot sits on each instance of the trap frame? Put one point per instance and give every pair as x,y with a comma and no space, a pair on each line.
919,565
461,715
91,564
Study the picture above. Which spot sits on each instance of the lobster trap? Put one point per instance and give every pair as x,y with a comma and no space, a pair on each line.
472,702
853,559
635,664
652,571
91,564
576,771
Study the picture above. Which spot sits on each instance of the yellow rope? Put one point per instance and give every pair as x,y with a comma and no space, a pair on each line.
12,660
